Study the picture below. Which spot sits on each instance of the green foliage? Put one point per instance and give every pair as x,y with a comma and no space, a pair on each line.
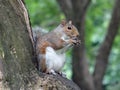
115,86
113,74
47,14
97,21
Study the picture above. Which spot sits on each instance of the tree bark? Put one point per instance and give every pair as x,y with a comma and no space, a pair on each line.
66,8
104,51
16,53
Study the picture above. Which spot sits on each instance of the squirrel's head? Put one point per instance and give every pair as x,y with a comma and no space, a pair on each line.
70,30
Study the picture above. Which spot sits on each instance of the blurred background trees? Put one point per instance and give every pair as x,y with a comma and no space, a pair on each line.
93,19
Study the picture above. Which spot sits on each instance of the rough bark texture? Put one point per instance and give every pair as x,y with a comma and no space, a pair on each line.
81,75
15,43
16,52
104,51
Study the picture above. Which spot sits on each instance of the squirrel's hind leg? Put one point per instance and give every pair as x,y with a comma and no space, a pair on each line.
41,63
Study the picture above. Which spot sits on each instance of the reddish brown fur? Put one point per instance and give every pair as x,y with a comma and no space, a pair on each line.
42,64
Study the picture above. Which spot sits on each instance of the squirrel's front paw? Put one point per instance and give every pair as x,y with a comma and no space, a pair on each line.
72,41
75,41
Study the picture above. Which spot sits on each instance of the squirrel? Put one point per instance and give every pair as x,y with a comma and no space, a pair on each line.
51,47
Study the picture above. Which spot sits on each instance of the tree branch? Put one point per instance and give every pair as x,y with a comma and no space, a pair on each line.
86,4
104,50
66,7
79,6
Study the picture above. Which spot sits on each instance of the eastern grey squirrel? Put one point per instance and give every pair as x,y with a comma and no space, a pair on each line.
51,47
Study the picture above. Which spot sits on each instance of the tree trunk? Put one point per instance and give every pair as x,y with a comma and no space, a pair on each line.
17,72
81,76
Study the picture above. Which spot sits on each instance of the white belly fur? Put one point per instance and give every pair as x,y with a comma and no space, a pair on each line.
54,59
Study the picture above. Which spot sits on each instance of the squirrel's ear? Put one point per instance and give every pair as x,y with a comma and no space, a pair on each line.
63,22
70,22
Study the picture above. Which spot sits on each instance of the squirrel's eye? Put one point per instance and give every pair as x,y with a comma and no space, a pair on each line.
69,28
